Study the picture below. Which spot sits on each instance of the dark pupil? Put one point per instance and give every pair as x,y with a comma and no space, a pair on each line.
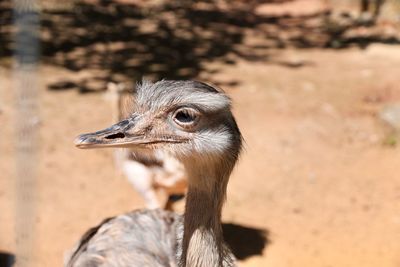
184,116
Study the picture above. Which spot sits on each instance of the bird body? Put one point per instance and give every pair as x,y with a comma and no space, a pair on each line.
114,243
193,122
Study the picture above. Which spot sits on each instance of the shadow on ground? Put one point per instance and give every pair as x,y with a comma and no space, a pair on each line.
245,241
123,42
6,259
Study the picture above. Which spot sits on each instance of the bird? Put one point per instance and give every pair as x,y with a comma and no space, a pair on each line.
193,121
150,172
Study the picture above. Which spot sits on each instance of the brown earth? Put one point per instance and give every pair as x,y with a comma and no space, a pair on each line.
314,173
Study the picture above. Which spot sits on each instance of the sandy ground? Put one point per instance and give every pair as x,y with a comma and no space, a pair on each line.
314,174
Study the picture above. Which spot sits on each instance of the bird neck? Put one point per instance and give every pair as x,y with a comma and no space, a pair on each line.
202,244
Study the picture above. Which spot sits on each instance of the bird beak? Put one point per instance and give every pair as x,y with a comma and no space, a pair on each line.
122,134
126,133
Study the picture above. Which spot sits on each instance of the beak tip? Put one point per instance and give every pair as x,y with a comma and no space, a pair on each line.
80,141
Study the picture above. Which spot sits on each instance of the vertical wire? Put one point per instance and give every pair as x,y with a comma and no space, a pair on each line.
25,81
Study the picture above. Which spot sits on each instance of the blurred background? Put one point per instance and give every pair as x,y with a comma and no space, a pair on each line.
315,86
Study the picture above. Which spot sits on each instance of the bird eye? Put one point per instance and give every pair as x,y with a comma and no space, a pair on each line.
185,117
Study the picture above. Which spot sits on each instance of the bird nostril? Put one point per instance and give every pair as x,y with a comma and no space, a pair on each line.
115,136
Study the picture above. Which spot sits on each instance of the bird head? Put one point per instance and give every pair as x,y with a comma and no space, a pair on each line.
189,119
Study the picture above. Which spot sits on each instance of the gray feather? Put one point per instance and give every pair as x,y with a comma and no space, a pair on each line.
139,238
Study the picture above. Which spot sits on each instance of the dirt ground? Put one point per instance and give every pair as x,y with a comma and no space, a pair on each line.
315,175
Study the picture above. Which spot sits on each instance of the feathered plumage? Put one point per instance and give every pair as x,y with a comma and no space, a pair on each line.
131,239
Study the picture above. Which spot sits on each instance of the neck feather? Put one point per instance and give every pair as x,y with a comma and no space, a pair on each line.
203,244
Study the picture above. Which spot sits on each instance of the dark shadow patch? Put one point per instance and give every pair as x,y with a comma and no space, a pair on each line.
245,241
176,39
6,259
62,85
296,64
